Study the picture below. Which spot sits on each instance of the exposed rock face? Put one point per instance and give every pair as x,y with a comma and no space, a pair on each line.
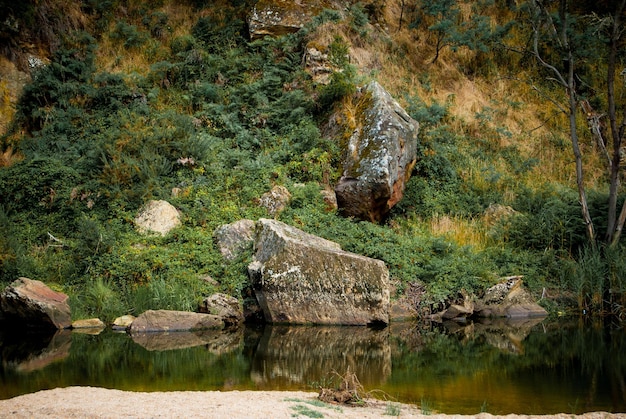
301,278
157,217
382,152
233,239
32,304
317,64
225,307
276,200
280,17
171,321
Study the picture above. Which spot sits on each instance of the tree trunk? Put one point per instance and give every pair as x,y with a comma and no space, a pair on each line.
614,226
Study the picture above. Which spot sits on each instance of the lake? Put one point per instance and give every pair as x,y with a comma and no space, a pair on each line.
524,367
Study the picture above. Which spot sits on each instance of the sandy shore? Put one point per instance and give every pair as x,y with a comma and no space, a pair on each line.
90,402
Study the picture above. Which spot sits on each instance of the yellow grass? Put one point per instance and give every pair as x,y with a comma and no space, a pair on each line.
463,231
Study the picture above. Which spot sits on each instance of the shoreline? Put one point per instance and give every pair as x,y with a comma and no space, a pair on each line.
96,402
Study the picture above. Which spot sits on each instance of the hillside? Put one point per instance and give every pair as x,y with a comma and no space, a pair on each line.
173,100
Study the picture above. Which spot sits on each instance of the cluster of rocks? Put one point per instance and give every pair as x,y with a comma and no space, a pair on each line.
297,278
507,299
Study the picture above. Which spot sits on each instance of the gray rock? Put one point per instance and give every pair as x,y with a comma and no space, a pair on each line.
171,321
300,278
225,307
380,156
157,217
233,239
276,200
509,299
33,304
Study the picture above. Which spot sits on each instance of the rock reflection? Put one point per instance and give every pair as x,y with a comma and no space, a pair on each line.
217,342
504,334
306,354
32,351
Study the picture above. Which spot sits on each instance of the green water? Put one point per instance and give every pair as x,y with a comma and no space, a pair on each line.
524,368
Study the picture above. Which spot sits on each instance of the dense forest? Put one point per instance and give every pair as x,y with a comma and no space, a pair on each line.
521,106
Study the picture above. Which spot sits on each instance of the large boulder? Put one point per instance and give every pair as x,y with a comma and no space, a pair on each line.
174,321
380,156
300,278
280,17
233,239
157,217
33,304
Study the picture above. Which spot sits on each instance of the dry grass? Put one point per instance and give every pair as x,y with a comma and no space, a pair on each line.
9,157
347,391
463,231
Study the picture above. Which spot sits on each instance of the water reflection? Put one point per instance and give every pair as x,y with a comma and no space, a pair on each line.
526,368
305,355
26,352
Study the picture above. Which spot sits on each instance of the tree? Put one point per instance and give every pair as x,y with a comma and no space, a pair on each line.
450,30
568,47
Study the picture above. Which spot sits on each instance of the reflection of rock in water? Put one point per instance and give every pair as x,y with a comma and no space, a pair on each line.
304,355
32,351
504,334
216,341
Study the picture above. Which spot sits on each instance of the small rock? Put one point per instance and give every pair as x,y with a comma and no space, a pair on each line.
225,307
88,324
123,322
158,217
276,200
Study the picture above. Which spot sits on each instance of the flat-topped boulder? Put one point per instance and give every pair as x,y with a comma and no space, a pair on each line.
173,321
300,278
32,304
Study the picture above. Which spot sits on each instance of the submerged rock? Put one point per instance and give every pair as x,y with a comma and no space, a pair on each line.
301,278
32,304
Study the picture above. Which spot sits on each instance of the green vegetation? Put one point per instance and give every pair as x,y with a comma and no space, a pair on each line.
134,105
